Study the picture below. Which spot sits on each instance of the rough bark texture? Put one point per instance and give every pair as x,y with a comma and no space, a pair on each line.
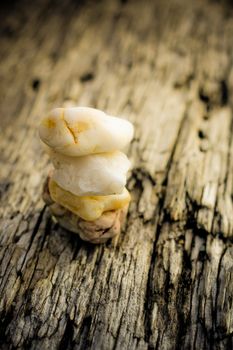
167,281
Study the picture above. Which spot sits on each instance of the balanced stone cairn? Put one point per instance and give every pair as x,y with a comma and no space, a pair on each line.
86,190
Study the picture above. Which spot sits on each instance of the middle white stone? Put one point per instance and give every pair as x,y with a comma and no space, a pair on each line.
95,174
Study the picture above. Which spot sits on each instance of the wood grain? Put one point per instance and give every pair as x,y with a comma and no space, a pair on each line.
167,281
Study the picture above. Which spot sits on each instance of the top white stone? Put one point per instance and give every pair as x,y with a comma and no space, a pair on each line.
79,131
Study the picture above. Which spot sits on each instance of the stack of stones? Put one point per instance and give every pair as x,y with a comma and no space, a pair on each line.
86,189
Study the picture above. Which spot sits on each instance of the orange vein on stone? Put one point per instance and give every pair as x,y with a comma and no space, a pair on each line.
49,123
69,128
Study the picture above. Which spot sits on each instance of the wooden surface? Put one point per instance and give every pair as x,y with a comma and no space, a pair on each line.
167,281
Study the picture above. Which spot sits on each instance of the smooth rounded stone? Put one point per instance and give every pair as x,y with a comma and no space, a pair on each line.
107,226
95,174
78,131
88,208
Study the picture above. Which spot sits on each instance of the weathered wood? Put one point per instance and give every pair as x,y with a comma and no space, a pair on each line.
167,281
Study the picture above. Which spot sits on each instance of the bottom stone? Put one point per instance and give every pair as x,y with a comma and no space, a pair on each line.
98,231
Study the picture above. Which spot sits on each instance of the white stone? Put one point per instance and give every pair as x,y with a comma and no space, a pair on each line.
78,131
95,174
